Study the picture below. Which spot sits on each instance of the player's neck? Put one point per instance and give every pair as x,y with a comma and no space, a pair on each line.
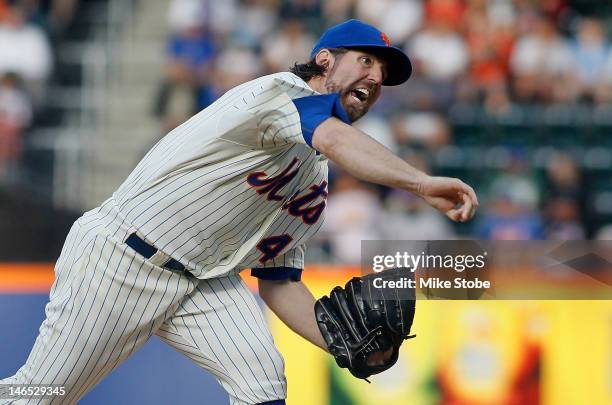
318,84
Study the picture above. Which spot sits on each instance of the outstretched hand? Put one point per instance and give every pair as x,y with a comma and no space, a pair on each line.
450,196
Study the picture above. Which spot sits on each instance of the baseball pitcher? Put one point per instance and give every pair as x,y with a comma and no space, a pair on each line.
240,185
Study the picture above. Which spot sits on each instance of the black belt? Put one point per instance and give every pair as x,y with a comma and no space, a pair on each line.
147,251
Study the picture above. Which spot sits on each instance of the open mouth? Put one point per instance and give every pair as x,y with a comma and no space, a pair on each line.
360,94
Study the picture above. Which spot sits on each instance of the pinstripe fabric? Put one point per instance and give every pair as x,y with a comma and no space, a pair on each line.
234,187
107,300
189,196
220,327
105,303
293,258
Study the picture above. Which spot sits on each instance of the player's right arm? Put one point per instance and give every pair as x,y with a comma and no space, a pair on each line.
368,160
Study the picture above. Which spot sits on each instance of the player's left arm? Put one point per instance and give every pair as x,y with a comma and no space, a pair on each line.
281,289
293,303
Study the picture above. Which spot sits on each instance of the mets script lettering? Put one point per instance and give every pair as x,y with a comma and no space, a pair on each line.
272,185
297,205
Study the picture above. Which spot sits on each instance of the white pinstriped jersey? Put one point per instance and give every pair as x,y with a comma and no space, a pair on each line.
234,187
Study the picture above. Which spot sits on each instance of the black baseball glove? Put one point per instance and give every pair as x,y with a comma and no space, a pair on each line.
362,324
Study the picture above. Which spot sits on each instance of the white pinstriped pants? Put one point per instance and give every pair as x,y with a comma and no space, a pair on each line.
107,300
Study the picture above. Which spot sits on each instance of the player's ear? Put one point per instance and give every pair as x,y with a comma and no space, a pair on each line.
325,58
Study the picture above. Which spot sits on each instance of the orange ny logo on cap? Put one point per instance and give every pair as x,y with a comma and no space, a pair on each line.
385,38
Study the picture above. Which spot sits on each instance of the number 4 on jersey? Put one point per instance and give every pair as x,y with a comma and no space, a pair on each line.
272,246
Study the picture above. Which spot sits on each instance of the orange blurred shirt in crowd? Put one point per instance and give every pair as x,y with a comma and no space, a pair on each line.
2,9
449,11
490,49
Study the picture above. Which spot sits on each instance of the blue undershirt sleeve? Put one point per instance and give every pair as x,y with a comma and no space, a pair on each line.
313,110
277,273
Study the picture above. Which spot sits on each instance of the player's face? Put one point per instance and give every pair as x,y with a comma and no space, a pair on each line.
357,76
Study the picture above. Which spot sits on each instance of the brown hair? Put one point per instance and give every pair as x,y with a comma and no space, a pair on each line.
311,69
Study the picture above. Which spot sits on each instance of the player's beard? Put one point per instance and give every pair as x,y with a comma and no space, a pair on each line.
353,110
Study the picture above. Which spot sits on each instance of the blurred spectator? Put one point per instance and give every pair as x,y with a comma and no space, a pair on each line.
512,213
419,93
565,199
490,43
563,220
439,57
529,12
378,128
15,117
354,214
3,9
440,51
189,53
423,128
335,12
61,15
505,219
489,51
183,14
223,16
287,46
563,179
446,12
497,102
540,61
54,16
235,66
590,51
408,217
219,16
501,13
397,18
24,49
517,183
557,10
256,19
309,11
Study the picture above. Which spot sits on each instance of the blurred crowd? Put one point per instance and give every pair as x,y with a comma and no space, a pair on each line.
28,31
498,55
495,54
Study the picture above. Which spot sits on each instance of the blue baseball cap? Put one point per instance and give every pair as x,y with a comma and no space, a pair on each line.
357,34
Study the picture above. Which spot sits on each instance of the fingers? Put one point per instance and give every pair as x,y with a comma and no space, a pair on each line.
471,193
454,214
467,210
469,202
466,189
453,197
460,214
468,205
